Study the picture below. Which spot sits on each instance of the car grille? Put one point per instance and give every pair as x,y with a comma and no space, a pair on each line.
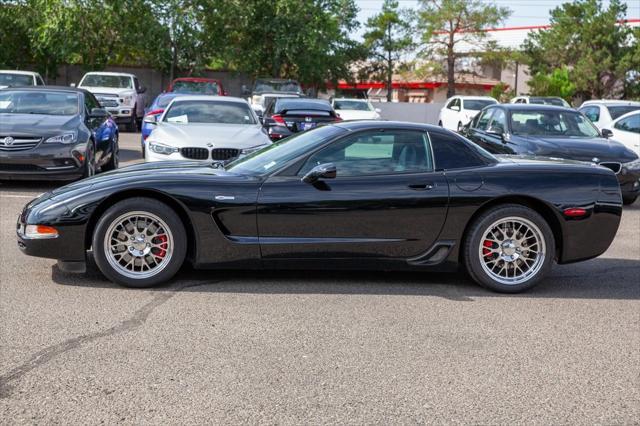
9,143
107,101
195,153
616,167
223,154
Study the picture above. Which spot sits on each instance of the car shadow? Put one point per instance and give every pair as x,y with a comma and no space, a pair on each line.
601,278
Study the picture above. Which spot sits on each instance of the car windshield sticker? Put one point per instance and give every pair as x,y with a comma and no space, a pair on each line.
178,119
269,165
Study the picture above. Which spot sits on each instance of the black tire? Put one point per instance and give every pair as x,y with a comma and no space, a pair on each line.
114,161
151,207
89,161
132,125
476,255
629,199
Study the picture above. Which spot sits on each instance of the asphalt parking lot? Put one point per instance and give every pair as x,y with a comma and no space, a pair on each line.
317,346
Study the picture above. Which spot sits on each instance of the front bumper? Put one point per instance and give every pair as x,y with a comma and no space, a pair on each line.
121,113
629,181
58,162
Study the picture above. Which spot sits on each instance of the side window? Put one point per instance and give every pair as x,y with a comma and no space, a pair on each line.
498,121
451,152
629,124
483,119
451,103
90,103
592,113
39,81
136,83
376,153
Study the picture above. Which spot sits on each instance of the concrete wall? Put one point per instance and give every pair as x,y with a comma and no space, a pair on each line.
412,112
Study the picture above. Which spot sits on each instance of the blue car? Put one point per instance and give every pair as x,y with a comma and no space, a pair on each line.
156,108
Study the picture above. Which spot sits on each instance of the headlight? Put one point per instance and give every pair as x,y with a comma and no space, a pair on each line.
631,166
253,149
159,148
65,138
127,99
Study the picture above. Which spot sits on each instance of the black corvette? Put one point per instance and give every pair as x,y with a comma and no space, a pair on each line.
363,195
57,133
554,132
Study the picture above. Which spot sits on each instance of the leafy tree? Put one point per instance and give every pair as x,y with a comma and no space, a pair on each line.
557,83
584,36
387,40
501,92
446,25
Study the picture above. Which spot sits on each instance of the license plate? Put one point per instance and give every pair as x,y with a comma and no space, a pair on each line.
307,126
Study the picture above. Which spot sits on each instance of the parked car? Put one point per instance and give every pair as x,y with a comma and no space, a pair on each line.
206,128
14,78
156,108
120,93
286,116
54,133
355,109
360,194
603,112
459,110
626,130
541,100
197,86
540,130
265,87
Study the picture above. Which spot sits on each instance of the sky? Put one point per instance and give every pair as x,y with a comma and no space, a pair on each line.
525,12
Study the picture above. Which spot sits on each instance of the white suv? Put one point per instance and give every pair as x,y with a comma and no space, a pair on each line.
120,93
10,78
603,112
541,100
459,110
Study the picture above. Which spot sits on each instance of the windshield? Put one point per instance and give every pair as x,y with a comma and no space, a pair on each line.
477,104
196,87
547,101
620,110
552,123
15,80
280,153
99,80
353,105
32,102
210,112
263,86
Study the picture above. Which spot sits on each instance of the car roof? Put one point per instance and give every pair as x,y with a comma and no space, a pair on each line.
49,89
473,97
351,99
119,74
374,124
18,72
197,79
627,115
543,107
609,102
276,80
189,97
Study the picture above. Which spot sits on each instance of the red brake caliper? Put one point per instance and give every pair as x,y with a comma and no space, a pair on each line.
487,245
162,250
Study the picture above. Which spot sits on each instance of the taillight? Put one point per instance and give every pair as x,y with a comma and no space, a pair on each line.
278,118
155,112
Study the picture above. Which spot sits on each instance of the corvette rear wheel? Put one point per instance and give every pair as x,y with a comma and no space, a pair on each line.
139,242
509,248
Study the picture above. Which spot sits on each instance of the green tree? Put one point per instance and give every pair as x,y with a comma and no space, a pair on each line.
585,37
387,40
557,83
446,25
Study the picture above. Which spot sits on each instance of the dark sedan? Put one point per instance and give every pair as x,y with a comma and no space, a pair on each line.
286,116
57,133
361,195
556,132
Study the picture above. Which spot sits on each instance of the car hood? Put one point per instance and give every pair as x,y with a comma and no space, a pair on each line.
349,114
35,124
238,136
582,149
109,90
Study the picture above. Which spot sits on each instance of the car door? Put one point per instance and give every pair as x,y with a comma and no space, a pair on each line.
97,126
386,201
494,137
478,127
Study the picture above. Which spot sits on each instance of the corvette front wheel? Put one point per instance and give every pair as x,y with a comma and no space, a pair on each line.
139,242
509,248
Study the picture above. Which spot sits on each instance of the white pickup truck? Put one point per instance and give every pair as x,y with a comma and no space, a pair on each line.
11,78
119,93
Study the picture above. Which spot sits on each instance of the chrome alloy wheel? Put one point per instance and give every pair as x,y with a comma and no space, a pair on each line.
138,244
512,250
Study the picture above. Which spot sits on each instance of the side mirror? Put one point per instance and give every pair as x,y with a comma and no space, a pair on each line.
606,133
245,91
99,113
322,171
72,85
151,119
496,131
142,89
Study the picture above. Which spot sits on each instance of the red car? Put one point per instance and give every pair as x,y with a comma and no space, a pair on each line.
197,85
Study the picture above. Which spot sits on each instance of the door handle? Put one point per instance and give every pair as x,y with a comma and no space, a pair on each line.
422,186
